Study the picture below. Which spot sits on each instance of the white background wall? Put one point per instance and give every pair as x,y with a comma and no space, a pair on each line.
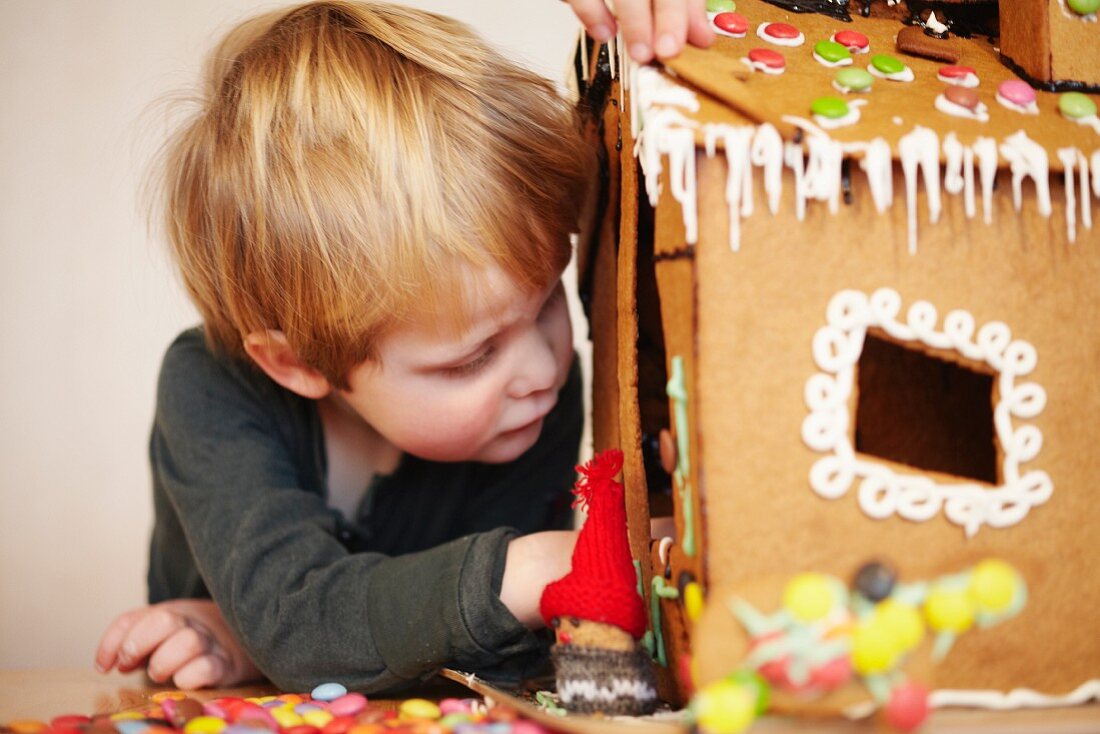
88,301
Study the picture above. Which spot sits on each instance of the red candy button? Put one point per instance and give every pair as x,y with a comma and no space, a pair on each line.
781,30
767,57
733,23
956,72
854,40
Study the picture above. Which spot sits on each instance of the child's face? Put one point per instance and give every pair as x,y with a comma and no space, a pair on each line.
477,396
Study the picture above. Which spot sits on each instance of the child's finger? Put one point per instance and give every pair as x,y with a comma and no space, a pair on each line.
177,651
700,32
670,23
152,627
106,654
597,19
636,22
204,671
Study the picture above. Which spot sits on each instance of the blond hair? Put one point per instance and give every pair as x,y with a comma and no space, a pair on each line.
347,158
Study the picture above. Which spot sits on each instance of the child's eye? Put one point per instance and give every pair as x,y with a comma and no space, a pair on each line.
474,365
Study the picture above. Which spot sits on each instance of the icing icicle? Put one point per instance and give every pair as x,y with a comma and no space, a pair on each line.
737,142
1028,159
1068,156
986,151
920,152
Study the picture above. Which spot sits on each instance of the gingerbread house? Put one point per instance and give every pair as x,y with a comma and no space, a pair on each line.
845,307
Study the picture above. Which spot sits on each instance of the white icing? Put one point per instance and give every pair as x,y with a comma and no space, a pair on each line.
796,41
613,55
1014,699
905,75
767,153
665,131
1088,121
1086,204
979,113
1095,172
761,66
986,151
919,151
820,178
933,23
746,146
831,123
1068,156
896,120
662,549
1031,108
793,159
969,80
1028,159
846,61
958,171
878,164
882,493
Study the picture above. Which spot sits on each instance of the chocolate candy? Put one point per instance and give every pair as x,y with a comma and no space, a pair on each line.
915,42
1017,95
328,692
832,53
887,64
733,24
853,80
875,581
855,41
1083,7
781,34
1076,106
962,96
832,108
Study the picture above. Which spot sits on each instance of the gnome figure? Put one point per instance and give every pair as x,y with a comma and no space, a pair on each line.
596,611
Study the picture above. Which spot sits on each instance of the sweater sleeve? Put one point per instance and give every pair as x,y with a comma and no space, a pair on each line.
269,553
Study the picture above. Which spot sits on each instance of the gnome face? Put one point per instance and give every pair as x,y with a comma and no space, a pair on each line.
587,633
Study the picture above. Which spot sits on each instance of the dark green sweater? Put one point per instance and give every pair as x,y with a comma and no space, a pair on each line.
239,491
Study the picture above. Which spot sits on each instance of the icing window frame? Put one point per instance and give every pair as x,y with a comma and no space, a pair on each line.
883,492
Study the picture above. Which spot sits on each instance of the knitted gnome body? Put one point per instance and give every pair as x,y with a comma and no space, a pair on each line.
595,609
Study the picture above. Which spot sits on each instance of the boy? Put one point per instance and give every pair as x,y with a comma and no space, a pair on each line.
364,457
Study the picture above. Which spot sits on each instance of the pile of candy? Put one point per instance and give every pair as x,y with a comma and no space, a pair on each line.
328,709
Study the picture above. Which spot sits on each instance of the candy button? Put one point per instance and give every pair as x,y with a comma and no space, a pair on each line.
1017,92
285,717
26,726
734,24
724,707
1084,7
163,695
204,725
349,704
955,72
782,30
419,708
767,57
328,691
1076,106
901,622
887,64
454,706
949,610
300,729
832,52
317,718
756,684
908,706
962,96
523,726
855,41
873,648
993,582
856,80
721,6
808,602
693,600
70,721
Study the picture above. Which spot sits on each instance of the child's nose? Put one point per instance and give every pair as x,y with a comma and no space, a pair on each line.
537,368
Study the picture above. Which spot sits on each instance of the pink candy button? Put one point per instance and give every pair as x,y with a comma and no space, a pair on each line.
781,30
732,23
1017,92
767,57
956,72
854,40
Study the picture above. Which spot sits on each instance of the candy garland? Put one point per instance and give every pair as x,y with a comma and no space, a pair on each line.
825,635
882,492
669,132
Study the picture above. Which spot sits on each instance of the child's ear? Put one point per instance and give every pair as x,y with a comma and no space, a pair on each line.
271,352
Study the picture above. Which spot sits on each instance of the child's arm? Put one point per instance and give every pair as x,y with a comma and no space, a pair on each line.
183,640
648,26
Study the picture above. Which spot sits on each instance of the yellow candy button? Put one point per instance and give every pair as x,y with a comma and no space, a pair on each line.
693,600
204,725
419,708
809,597
26,726
993,585
317,718
949,610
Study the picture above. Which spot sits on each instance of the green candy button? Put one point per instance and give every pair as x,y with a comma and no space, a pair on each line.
887,64
830,107
1083,7
855,79
832,51
721,6
1075,105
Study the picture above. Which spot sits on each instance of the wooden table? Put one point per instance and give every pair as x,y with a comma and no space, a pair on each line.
43,694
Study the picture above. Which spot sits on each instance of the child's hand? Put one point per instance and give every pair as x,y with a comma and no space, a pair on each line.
649,26
534,561
183,640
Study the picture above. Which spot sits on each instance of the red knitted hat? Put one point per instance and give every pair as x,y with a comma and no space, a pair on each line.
602,585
